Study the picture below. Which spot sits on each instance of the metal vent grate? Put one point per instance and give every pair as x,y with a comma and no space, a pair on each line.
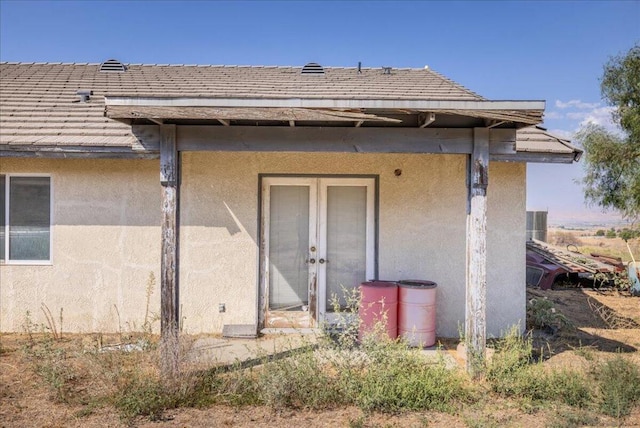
112,66
313,68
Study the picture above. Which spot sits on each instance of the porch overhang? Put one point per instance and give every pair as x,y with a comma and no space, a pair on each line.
380,112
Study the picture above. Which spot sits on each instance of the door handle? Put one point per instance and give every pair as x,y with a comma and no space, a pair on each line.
323,261
312,261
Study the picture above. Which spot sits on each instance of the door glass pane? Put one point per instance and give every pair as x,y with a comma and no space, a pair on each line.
289,248
346,241
29,218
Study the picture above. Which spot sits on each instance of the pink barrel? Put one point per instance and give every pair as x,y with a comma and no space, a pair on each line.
417,312
378,304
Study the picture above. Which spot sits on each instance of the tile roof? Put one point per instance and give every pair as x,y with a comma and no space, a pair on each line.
230,81
536,139
40,107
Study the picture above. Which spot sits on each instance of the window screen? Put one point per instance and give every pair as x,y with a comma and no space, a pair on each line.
28,225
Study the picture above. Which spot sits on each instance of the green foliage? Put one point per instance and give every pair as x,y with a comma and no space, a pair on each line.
377,375
572,418
143,396
508,363
627,233
511,374
600,232
541,314
301,381
401,380
568,386
612,177
620,87
619,385
53,367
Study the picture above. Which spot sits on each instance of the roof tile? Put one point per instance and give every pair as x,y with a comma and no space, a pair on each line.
39,105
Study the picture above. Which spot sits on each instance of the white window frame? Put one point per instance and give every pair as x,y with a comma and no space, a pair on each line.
7,260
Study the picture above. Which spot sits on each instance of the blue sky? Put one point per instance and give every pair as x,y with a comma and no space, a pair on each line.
546,50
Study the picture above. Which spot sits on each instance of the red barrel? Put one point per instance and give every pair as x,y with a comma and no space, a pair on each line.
378,304
417,312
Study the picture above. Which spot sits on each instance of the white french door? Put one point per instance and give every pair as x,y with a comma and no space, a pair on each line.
318,243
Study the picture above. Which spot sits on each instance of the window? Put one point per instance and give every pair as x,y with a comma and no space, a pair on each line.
25,218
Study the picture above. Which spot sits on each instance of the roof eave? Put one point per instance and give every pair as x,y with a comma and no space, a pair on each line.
539,157
520,113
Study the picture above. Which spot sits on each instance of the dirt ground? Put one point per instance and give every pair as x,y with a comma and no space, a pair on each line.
604,322
586,241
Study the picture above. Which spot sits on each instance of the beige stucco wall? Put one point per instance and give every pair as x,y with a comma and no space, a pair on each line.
106,225
106,237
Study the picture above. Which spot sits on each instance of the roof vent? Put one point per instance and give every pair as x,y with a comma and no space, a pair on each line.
85,95
386,70
313,68
112,66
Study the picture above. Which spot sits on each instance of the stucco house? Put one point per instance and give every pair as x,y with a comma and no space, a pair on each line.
254,194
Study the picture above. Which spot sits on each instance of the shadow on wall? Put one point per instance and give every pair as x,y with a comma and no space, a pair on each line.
128,193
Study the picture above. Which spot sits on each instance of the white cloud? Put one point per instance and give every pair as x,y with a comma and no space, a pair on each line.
562,133
600,116
576,104
577,113
553,115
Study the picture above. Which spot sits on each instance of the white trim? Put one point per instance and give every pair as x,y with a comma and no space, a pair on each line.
416,104
317,234
7,260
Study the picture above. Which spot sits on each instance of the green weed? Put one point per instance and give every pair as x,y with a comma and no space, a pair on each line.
572,418
512,374
300,381
409,383
52,364
618,382
143,396
542,314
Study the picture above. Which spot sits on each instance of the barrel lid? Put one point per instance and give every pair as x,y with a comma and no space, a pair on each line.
378,283
416,283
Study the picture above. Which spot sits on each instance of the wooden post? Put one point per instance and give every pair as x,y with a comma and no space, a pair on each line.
169,179
475,322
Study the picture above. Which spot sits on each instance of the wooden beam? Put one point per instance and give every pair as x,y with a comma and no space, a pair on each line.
476,270
494,123
533,157
319,139
428,120
324,102
292,123
75,153
225,122
169,317
359,123
242,113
